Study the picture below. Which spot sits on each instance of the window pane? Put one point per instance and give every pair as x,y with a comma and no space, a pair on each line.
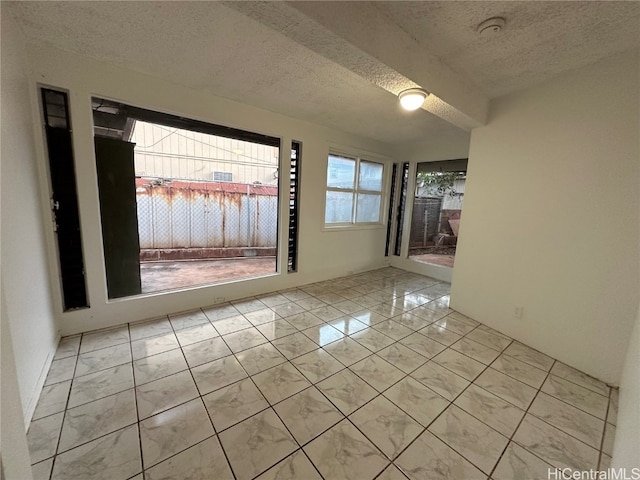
370,176
368,208
339,207
341,172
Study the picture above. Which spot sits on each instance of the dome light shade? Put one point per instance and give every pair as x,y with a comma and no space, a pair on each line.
412,99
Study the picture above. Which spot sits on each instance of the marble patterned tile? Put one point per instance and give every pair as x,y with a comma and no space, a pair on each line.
474,440
97,360
605,462
422,403
159,395
389,428
61,370
287,309
247,305
554,446
206,351
423,345
387,310
294,294
42,437
347,325
518,464
280,382
338,454
576,376
609,436
368,317
532,376
311,303
348,307
92,420
475,350
146,347
277,329
157,366
347,391
256,444
569,419
347,351
195,334
260,358
391,473
612,414
393,329
367,302
489,338
529,355
206,460
231,324
307,414
244,339
294,467
506,388
169,432
116,455
150,328
97,385
575,395
234,403
273,299
456,325
410,321
372,339
499,414
317,365
53,399
402,357
377,372
428,457
42,470
220,312
189,319
327,313
440,334
217,374
458,363
294,345
440,380
67,347
104,338
428,315
332,297
262,316
323,334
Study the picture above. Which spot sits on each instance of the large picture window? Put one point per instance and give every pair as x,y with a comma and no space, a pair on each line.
354,191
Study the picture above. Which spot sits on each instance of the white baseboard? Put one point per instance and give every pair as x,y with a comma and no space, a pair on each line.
37,391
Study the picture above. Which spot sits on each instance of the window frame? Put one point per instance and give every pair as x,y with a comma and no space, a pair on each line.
355,190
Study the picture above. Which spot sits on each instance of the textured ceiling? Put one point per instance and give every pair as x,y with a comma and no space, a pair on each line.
340,64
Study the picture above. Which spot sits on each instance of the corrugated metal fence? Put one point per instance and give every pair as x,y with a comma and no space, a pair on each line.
178,214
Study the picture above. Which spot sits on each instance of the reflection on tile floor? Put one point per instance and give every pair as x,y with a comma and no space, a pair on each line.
362,377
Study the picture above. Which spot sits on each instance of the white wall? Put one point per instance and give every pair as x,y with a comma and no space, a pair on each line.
550,219
626,448
323,254
27,296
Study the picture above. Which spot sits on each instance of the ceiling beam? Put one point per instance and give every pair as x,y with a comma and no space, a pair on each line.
359,37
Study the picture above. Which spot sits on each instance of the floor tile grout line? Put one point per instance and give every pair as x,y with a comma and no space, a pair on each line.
135,399
604,430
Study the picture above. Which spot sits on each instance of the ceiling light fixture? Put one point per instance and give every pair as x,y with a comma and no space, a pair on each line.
413,98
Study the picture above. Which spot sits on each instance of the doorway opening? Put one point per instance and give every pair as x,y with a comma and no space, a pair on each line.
437,208
183,203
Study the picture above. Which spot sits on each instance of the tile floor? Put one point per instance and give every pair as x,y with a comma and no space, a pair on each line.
368,376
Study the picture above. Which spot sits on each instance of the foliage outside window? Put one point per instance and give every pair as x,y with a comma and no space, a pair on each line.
438,184
354,191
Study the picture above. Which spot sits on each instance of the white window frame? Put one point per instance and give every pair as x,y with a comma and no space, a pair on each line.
353,224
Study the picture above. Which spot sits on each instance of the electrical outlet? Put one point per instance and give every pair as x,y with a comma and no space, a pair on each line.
517,312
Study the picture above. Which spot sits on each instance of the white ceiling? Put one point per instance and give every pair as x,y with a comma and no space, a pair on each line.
340,64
